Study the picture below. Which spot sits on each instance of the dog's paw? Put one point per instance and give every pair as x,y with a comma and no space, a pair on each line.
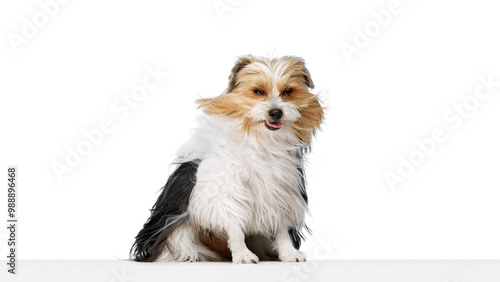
292,256
245,257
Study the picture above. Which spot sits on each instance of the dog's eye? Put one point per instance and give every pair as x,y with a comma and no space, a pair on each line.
288,91
258,92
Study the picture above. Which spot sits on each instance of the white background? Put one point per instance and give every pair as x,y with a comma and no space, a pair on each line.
393,92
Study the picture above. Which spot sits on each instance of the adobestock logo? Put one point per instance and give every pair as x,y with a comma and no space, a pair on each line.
223,6
122,108
121,276
31,26
454,117
323,250
363,36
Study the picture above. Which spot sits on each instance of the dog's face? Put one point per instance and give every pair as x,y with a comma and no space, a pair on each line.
269,95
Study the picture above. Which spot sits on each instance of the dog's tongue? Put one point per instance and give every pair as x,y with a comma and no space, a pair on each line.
276,124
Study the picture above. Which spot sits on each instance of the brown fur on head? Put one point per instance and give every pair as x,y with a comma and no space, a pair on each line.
267,95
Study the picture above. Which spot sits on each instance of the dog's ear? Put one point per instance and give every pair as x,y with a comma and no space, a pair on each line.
306,76
304,73
242,62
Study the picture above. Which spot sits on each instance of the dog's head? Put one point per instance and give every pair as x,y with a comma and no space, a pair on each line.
269,95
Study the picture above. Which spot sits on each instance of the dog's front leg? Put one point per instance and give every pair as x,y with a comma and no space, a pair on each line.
239,250
283,245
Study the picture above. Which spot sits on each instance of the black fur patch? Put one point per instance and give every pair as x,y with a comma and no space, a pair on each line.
168,213
296,235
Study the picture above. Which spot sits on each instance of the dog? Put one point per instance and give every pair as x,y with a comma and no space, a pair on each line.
239,190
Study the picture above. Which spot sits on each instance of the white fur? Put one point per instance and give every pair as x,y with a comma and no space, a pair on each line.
285,249
245,181
260,111
245,185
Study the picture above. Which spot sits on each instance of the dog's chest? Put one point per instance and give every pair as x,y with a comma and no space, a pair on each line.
272,182
256,189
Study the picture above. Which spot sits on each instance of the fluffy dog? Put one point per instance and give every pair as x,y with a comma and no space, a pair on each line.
239,190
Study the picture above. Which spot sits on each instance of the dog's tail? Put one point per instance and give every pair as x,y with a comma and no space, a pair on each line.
169,212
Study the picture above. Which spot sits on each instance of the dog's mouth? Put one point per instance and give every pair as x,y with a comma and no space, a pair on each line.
274,125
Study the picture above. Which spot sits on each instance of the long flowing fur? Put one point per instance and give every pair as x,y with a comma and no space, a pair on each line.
240,183
297,234
167,214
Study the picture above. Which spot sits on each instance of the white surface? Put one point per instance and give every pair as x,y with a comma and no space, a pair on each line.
395,91
339,271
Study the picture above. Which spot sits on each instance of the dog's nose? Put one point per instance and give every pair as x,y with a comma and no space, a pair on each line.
275,114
